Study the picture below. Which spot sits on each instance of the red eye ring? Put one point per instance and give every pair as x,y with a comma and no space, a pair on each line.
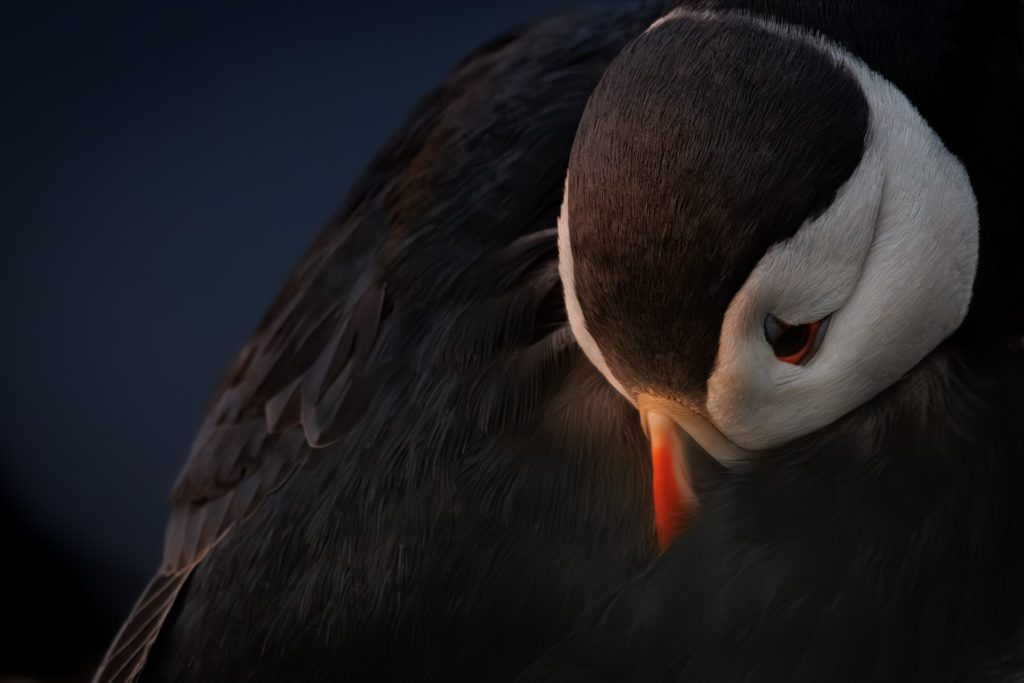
794,344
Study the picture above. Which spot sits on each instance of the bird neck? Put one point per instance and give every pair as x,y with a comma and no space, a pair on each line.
890,546
900,531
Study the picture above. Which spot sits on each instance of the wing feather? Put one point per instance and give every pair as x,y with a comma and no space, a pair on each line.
126,657
315,363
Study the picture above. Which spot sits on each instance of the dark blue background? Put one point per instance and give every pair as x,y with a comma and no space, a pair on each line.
165,165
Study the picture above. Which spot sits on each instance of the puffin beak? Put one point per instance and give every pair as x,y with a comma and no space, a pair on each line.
674,500
684,448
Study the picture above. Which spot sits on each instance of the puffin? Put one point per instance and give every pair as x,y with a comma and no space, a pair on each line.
653,325
788,238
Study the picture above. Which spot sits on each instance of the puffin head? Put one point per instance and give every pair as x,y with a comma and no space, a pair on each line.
759,234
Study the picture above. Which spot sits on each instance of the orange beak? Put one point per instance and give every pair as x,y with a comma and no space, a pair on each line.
674,501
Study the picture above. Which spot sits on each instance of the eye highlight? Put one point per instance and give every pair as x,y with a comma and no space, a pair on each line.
794,344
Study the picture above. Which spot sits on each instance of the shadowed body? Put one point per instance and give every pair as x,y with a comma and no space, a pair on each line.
413,473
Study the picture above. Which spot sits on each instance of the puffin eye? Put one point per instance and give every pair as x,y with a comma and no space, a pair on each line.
794,343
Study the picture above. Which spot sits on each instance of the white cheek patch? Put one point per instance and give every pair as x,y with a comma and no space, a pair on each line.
572,304
893,260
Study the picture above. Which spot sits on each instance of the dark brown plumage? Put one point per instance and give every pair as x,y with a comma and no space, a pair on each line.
412,473
398,479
